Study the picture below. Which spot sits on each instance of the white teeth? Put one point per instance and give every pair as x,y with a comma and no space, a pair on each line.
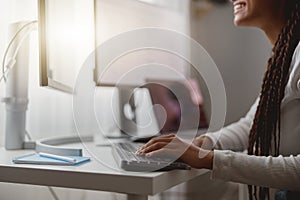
239,6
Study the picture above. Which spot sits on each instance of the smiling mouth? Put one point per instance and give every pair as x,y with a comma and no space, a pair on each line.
239,6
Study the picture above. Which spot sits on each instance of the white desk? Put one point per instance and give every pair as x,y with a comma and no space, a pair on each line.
92,175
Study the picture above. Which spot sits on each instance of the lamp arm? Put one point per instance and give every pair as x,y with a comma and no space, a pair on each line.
12,61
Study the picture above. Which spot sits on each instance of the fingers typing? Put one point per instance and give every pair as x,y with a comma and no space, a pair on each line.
155,143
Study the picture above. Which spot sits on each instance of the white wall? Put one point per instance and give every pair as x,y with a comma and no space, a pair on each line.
240,53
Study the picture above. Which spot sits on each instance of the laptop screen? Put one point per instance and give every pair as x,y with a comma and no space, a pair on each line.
181,101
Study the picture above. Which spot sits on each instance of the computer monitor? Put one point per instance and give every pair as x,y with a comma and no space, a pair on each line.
116,18
66,39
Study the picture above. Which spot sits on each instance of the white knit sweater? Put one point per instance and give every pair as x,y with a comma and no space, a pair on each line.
281,172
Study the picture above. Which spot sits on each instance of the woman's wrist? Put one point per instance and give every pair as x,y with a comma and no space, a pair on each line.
206,158
204,142
197,141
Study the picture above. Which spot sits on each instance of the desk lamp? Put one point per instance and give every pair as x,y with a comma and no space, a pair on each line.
15,73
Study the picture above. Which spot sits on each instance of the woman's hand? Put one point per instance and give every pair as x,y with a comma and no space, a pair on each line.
172,145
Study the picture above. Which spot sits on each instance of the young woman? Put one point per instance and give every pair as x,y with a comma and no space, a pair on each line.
271,129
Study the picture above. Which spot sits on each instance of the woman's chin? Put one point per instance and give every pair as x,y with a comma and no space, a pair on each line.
238,21
241,22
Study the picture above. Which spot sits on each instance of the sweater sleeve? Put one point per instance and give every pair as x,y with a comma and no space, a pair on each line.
274,172
235,136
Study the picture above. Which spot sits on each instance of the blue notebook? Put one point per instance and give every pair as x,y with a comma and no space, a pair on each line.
41,160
